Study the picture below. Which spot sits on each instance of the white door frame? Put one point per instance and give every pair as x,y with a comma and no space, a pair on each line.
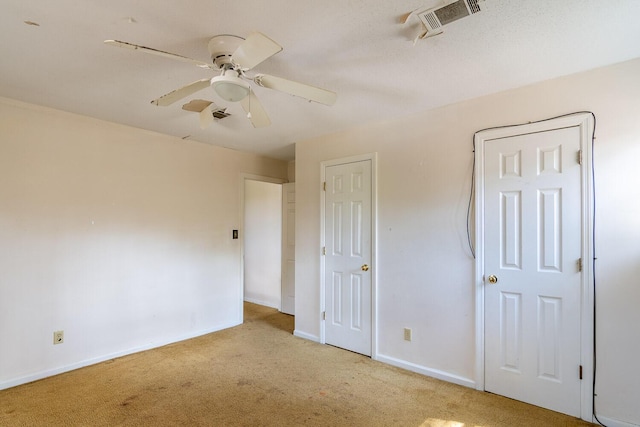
247,177
585,122
285,244
374,244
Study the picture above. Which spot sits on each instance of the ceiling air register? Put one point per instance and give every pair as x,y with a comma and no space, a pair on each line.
433,18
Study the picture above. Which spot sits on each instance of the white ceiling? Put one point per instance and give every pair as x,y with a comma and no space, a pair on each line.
356,48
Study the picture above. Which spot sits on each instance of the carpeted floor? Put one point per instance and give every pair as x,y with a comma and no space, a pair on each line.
258,374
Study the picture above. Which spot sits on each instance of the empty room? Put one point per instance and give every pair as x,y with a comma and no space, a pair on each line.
420,213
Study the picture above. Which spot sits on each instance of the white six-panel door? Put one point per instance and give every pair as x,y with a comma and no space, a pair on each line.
532,271
347,272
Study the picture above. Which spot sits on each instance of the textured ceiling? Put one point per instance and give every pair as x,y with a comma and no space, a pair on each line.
356,48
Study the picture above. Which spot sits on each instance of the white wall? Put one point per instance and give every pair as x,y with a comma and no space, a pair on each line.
262,242
118,236
425,270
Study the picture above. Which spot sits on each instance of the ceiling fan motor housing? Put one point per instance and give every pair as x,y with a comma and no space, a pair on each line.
222,47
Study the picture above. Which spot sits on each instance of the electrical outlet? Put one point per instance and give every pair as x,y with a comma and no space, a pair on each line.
407,334
58,337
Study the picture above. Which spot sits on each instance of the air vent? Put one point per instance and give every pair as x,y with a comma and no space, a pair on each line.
473,6
435,18
220,114
431,19
452,12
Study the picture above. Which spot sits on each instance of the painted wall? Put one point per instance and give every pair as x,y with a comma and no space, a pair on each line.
118,236
424,267
262,243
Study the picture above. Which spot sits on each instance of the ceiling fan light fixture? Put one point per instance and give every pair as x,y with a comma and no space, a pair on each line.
230,87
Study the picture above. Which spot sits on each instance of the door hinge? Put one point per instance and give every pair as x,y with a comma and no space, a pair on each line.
324,317
580,371
579,157
579,264
324,186
324,250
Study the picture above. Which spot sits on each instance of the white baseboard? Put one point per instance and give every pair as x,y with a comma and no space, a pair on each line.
435,373
83,363
609,422
423,370
306,336
261,302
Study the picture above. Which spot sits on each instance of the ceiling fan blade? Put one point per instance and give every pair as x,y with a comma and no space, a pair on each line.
256,48
255,111
206,117
302,90
197,105
152,51
178,94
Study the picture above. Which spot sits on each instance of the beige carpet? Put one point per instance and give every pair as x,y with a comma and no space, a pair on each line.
257,374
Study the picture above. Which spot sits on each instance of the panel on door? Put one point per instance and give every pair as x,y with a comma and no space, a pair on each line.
348,256
532,276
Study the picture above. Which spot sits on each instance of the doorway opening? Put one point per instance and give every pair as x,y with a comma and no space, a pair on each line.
262,242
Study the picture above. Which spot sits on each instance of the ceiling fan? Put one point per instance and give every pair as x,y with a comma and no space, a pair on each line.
232,57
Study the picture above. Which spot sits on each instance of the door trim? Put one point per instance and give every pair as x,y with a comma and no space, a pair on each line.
373,157
285,236
585,122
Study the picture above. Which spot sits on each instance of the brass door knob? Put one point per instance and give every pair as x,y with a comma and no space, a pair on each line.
365,267
493,279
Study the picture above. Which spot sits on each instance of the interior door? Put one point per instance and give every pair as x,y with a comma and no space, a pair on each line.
288,248
532,271
348,293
